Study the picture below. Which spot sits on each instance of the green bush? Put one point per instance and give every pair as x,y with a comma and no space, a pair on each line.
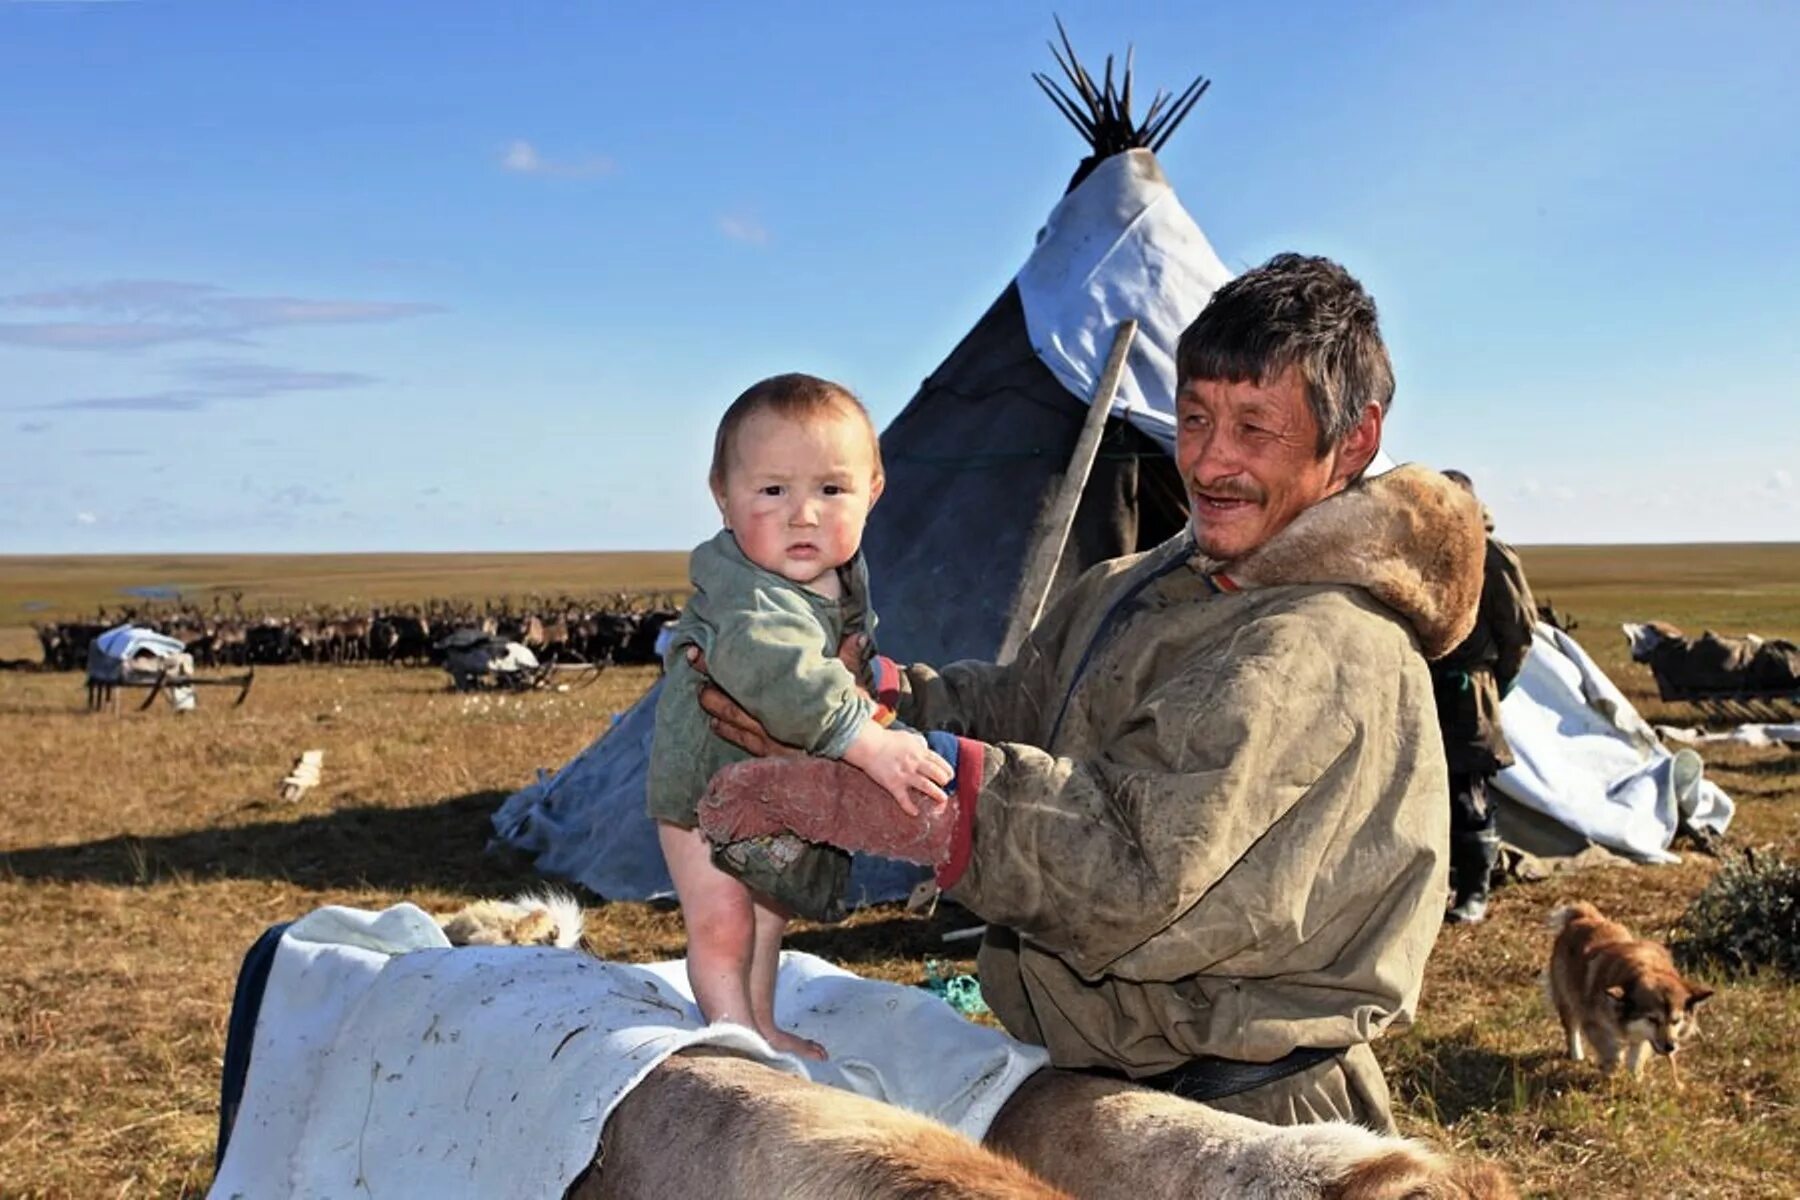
1746,920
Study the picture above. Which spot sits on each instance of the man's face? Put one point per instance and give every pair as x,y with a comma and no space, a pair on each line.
1248,454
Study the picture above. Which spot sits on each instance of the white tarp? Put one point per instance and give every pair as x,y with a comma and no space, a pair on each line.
126,653
125,647
1120,245
1587,759
387,1064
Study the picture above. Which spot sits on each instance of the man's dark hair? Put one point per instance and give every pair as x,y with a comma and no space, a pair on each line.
1460,479
1295,311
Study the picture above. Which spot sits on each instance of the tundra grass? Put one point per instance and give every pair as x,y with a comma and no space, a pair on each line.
141,854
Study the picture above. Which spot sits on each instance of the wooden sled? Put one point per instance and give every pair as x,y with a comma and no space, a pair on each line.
1736,706
102,693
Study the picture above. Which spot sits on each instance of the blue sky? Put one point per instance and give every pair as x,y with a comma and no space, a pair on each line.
446,276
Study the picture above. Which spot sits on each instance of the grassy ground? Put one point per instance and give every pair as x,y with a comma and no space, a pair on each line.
140,855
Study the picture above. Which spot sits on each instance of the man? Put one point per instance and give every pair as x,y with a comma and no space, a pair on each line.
1470,682
1202,811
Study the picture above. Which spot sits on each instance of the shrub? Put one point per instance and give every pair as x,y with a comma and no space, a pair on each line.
1747,919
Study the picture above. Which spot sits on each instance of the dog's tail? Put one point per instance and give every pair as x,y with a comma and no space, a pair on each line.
1559,920
560,910
543,918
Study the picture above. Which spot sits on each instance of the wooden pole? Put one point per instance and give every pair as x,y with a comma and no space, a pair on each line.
1053,533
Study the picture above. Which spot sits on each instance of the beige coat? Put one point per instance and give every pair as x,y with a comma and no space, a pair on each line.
1213,821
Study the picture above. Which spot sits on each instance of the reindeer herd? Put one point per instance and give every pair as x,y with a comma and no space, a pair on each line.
621,629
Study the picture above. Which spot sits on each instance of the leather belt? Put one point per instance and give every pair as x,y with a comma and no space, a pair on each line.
1209,1078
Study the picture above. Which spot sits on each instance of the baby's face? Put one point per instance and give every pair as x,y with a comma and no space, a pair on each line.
797,493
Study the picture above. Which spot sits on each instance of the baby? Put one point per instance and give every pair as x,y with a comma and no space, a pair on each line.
796,468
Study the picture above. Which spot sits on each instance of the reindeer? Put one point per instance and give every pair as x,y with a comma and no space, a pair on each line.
353,633
708,1123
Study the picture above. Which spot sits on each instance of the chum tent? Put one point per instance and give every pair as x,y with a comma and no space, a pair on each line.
981,449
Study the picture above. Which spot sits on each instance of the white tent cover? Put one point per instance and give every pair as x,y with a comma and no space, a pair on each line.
1587,759
123,642
1120,245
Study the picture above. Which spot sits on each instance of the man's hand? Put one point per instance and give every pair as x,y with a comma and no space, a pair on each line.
733,722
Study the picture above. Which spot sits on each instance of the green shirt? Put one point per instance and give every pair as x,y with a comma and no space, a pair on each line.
772,645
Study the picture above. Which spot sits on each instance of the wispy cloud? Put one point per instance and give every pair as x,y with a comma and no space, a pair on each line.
149,402
101,335
1780,480
746,229
86,518
208,381
298,495
131,314
522,158
228,378
114,453
35,427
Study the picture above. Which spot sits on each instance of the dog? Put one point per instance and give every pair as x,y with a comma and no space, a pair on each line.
1616,992
548,918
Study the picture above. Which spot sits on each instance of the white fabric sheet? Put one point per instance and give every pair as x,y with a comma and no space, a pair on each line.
123,641
386,1063
1587,759
1119,246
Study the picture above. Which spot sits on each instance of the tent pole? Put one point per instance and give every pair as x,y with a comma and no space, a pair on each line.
1053,534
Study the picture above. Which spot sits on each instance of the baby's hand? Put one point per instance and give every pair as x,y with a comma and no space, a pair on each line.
902,763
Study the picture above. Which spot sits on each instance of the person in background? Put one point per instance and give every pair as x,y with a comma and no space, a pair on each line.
1469,683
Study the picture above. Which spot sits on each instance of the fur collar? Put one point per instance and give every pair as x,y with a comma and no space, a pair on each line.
1409,537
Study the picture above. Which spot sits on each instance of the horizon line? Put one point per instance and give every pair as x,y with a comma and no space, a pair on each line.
98,554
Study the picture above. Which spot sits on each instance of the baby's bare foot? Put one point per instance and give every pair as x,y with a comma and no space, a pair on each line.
792,1044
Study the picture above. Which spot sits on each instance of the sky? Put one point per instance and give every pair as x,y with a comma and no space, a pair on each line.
388,276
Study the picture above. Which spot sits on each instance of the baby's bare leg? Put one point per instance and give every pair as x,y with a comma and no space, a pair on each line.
721,926
765,962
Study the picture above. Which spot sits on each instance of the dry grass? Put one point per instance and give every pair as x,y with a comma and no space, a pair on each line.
140,856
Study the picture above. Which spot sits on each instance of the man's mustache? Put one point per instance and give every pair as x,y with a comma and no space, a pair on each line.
1228,489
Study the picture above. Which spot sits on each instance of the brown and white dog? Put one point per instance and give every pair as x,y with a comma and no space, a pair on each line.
1620,994
547,918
